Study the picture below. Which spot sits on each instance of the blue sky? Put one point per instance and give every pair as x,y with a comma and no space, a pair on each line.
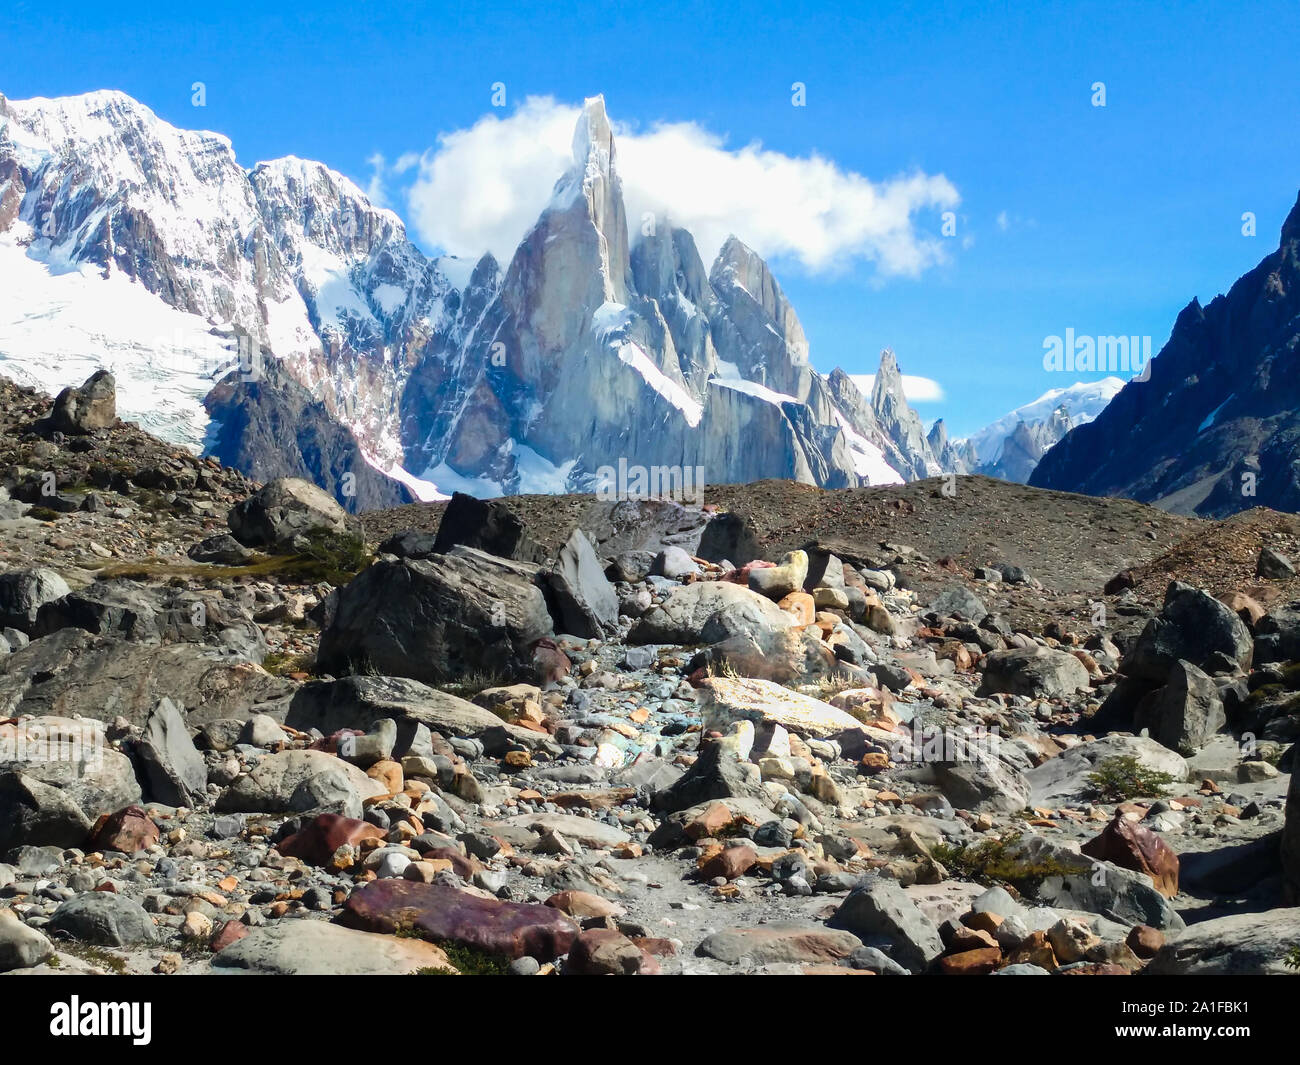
1103,220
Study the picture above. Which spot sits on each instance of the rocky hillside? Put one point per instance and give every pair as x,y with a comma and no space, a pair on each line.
277,319
1214,428
826,732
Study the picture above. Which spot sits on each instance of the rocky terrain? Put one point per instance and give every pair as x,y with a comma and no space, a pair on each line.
957,726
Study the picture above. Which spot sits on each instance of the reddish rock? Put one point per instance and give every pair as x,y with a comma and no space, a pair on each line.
128,830
964,939
729,862
551,663
462,866
977,962
227,934
583,905
445,915
605,952
1132,846
654,945
1145,941
316,842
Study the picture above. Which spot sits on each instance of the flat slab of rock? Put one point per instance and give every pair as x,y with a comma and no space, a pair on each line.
585,830
314,948
1246,944
726,700
779,943
442,914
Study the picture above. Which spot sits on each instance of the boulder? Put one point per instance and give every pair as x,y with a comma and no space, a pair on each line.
724,701
1241,944
362,702
1277,633
1131,845
1192,626
91,406
317,840
128,830
729,537
607,952
777,943
74,756
776,582
1185,714
38,814
674,563
283,509
585,604
444,914
489,526
958,601
437,620
21,947
721,771
1037,672
174,770
982,783
106,919
22,594
1274,566
299,782
315,948
709,612
880,913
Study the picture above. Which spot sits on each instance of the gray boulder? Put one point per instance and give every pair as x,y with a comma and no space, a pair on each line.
38,814
23,592
1192,626
1064,779
958,601
585,602
106,919
709,612
1241,944
74,756
437,619
91,406
282,510
174,770
1185,714
879,913
673,563
299,782
1038,672
981,782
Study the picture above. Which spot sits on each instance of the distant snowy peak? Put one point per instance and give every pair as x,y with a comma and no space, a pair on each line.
135,245
1011,446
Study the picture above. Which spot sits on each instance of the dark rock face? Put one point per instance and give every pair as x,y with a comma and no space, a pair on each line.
443,914
85,409
1192,626
38,814
487,525
435,620
272,427
1216,428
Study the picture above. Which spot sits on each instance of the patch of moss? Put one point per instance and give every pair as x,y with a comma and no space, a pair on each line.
44,514
97,956
333,556
1124,777
470,961
280,664
1292,959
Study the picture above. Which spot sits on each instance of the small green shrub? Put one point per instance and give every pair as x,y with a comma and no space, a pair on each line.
1124,777
994,861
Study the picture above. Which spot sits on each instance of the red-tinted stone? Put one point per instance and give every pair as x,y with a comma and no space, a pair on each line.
605,952
460,865
1133,846
128,830
444,914
227,934
316,842
1145,941
729,862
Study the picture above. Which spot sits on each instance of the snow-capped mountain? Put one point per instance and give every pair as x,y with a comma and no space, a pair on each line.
1011,447
340,347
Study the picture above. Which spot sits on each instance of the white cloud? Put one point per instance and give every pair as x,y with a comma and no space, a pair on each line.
915,389
483,188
